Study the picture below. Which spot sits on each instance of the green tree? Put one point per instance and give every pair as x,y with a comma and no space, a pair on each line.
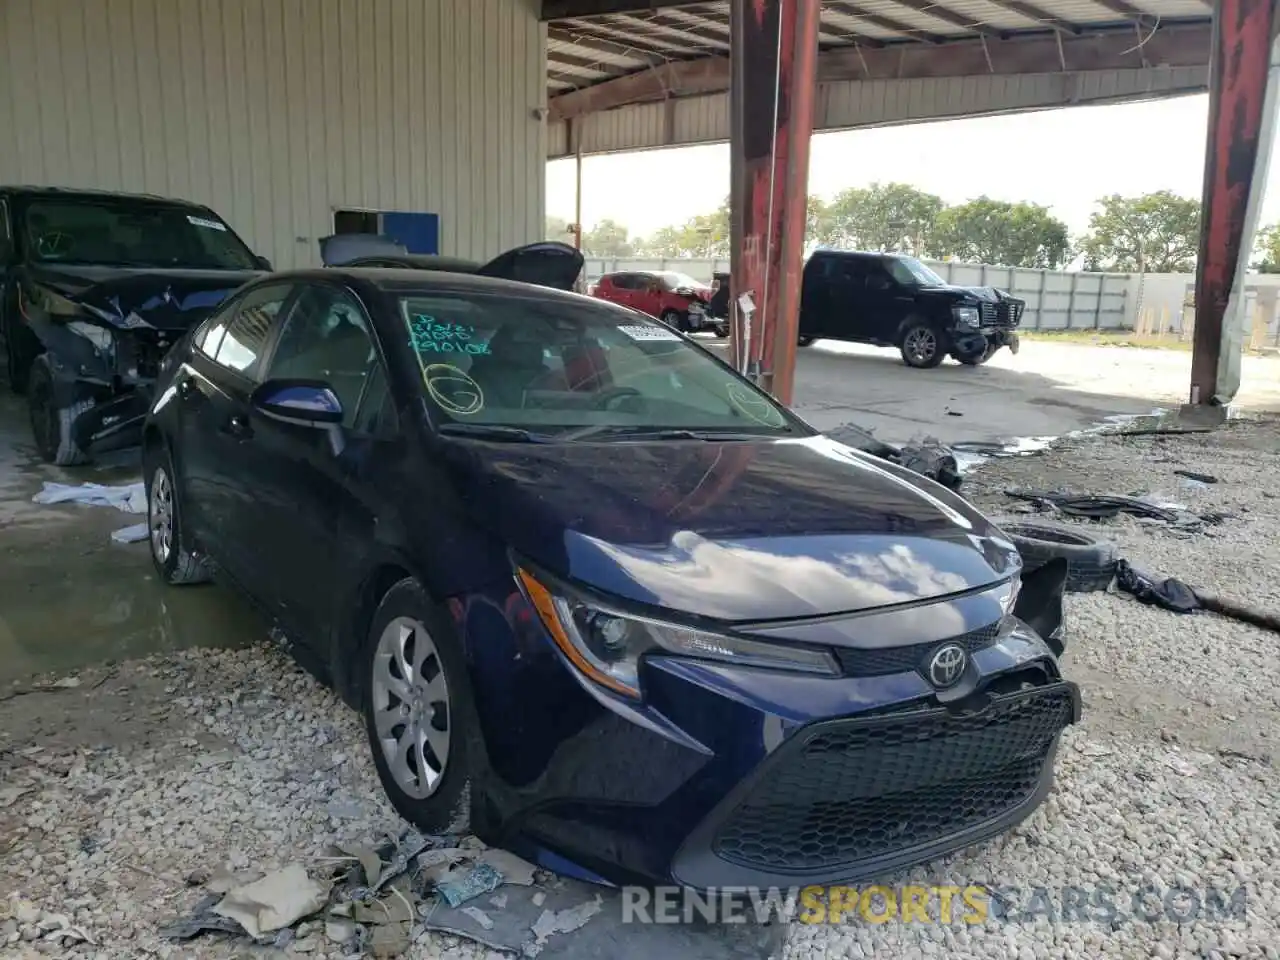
704,235
893,217
558,229
607,239
1267,250
819,226
998,232
1155,233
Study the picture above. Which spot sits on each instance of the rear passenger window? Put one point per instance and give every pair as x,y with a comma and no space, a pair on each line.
246,336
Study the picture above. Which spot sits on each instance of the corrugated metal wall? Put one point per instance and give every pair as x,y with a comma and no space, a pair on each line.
851,104
275,112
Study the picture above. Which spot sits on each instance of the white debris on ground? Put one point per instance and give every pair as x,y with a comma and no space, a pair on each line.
124,796
127,498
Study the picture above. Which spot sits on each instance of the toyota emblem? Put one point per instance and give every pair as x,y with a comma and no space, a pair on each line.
947,665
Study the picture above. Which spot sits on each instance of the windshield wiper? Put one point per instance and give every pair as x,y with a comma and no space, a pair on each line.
492,431
668,433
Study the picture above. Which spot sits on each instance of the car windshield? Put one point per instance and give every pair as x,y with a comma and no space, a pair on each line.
909,270
132,233
674,281
561,367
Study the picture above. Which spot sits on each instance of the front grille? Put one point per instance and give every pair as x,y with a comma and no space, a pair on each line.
854,790
876,663
1004,315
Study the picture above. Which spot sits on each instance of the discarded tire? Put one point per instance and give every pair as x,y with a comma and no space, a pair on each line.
1091,563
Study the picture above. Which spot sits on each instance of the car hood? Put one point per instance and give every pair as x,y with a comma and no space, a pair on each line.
140,297
984,294
743,531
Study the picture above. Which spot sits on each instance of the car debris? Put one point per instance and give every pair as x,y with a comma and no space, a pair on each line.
129,498
929,457
535,914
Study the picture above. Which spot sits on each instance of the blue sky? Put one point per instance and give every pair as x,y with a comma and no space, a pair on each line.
1065,159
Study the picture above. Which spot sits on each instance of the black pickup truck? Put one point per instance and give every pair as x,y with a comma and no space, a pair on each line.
95,287
892,300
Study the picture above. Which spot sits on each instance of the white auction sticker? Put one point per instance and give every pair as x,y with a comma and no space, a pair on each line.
211,224
638,331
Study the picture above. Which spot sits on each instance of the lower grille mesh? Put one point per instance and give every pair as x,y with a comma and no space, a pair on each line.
858,790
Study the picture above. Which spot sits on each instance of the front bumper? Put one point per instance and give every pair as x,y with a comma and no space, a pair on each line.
113,424
853,799
729,777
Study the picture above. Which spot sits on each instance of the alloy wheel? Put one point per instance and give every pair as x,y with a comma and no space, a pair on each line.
921,344
411,710
160,516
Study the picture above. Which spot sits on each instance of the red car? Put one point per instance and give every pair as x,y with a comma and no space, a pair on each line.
674,298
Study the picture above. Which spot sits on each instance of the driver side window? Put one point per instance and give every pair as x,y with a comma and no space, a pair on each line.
326,337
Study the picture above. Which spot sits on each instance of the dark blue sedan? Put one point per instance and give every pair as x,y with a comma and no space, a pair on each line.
599,598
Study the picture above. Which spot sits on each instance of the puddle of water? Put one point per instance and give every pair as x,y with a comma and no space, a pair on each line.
972,454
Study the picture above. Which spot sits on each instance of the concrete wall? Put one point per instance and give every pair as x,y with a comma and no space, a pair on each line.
276,112
850,104
1058,299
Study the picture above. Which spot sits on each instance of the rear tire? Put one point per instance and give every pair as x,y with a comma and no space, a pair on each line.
51,425
804,341
429,704
175,562
923,345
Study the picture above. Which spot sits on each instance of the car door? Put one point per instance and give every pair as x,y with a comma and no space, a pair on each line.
8,294
888,301
618,289
215,456
306,487
838,298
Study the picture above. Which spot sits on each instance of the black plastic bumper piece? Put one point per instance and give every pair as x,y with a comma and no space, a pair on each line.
850,800
114,424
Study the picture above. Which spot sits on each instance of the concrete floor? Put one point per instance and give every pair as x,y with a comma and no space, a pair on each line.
70,597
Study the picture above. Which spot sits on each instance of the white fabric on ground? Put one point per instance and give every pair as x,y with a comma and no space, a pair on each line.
127,498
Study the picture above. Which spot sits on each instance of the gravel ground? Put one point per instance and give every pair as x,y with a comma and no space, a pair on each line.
115,791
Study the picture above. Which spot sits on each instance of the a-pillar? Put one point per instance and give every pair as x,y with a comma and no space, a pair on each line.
1242,110
774,62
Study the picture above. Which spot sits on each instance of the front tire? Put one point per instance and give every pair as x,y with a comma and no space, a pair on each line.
18,356
804,341
418,711
978,359
51,425
175,562
923,345
672,318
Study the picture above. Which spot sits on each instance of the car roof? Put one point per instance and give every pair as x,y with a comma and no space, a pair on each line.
85,192
421,261
399,280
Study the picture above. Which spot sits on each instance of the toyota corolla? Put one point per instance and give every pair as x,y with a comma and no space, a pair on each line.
597,595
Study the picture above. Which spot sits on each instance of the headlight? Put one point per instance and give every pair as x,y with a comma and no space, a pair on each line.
606,645
101,338
966,315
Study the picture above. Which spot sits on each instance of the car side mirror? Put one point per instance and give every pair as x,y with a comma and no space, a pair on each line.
263,263
303,403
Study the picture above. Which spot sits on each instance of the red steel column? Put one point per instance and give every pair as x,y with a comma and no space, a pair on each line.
1240,127
774,55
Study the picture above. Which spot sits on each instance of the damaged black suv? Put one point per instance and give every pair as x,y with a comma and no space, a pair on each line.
892,300
95,288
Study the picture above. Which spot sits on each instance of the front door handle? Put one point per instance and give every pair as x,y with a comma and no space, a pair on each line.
185,387
238,427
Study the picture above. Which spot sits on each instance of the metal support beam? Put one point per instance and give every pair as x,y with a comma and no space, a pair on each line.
1242,108
774,57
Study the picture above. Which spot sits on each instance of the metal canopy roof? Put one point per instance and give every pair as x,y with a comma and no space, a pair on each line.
603,54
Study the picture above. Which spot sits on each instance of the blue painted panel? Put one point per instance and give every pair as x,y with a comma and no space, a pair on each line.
417,232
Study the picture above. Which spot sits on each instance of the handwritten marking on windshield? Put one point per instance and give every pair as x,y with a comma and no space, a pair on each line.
754,407
452,389
429,335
